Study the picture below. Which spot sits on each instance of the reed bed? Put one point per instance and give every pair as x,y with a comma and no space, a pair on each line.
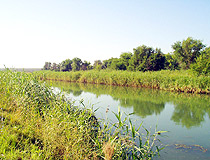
36,123
178,81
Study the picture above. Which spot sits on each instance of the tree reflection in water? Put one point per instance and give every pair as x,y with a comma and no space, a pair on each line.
143,108
189,110
189,115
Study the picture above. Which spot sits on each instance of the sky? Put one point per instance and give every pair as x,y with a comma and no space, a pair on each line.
33,32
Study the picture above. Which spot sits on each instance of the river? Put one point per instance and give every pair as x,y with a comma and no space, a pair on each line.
186,117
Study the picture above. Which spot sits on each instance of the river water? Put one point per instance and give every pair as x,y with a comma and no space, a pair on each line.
186,117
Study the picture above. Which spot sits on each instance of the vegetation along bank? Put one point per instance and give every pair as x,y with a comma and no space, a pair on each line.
190,54
178,81
35,123
186,69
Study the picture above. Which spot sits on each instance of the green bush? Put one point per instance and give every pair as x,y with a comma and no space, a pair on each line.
202,65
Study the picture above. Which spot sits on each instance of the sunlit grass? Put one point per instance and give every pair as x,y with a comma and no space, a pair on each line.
38,124
178,81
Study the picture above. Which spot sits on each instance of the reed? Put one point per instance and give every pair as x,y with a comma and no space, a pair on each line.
178,81
39,124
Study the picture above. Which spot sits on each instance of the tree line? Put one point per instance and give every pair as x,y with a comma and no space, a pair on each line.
187,54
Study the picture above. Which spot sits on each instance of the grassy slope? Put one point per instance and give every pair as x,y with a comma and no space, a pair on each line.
179,81
35,123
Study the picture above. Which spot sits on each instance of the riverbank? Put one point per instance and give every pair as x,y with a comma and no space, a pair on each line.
185,116
176,81
38,124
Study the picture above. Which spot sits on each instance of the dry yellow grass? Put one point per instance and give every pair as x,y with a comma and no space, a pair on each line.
108,150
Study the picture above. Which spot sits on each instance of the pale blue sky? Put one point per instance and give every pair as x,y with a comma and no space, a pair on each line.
35,31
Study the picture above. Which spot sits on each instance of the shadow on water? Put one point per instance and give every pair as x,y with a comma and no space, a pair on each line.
189,109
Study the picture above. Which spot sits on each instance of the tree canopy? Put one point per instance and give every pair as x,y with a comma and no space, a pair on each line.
187,51
187,54
202,65
146,59
66,65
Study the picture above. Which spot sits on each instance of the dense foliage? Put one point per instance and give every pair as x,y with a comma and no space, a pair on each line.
189,52
202,65
146,59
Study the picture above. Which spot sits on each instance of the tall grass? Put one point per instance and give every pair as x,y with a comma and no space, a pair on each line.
38,124
179,81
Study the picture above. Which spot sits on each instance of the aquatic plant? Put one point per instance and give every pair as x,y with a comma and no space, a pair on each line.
178,81
39,124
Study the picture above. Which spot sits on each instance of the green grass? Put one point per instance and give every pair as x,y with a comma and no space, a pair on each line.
35,123
178,81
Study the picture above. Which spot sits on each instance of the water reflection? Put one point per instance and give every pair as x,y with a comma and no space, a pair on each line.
189,110
142,108
189,115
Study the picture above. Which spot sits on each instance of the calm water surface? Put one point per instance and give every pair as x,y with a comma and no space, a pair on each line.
185,116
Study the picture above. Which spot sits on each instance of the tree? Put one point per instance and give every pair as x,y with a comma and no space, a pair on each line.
171,62
107,63
202,65
85,66
97,64
47,66
156,61
114,63
187,51
125,57
139,57
76,64
117,64
146,59
55,67
66,65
